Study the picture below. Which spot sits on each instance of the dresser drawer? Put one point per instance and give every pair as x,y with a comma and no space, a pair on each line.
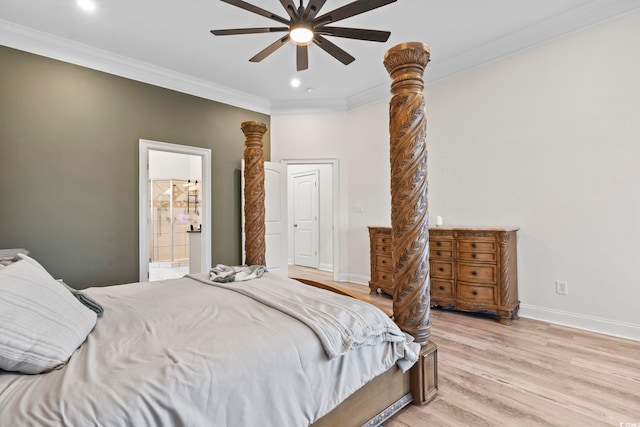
478,273
383,248
384,240
476,294
384,262
435,244
478,256
442,288
440,253
476,246
441,269
383,277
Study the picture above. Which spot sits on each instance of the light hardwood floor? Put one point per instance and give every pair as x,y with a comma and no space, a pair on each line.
532,373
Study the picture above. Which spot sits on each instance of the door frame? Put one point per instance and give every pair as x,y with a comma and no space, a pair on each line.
143,198
335,196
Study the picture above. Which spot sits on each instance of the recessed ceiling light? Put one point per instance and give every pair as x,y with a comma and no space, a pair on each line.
86,5
295,83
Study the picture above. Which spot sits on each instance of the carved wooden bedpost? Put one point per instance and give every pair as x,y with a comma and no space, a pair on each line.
254,210
409,220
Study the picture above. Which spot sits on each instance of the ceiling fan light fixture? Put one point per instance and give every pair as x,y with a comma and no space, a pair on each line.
301,35
86,5
303,27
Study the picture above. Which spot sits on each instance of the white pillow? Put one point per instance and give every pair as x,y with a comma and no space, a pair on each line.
41,322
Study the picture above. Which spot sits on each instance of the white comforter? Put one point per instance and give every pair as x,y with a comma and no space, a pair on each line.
182,353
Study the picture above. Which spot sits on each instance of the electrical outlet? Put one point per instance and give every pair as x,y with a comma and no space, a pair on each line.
562,288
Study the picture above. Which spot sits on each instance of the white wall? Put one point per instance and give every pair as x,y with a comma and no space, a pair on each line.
325,213
548,140
315,137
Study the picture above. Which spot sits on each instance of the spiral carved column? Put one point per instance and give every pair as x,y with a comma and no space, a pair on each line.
254,210
409,219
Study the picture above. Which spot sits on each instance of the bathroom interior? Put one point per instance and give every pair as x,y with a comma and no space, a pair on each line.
175,212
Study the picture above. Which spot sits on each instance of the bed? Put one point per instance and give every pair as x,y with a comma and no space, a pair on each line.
196,353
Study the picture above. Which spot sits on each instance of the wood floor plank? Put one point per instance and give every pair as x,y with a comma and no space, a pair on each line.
531,373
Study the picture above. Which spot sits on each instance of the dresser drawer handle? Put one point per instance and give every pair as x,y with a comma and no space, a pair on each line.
474,273
438,243
473,245
442,288
384,248
384,261
384,277
441,269
439,253
475,292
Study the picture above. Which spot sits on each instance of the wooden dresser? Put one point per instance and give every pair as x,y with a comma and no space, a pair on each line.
472,268
475,269
380,257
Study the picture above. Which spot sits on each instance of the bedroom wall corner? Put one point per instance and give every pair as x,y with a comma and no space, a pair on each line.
69,139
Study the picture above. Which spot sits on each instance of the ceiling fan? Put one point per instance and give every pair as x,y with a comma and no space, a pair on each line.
304,27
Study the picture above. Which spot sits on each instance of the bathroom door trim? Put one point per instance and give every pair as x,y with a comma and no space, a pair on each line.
143,193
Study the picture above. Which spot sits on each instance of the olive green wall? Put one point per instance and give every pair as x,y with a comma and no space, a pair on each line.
69,140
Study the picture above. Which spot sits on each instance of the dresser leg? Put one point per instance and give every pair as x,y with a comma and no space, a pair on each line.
506,320
373,290
515,313
505,317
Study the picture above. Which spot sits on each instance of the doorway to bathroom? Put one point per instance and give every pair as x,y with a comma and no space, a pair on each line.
174,210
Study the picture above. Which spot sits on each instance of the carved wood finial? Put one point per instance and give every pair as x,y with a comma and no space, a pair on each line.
254,208
409,219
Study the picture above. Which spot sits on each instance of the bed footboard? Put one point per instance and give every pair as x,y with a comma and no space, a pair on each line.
379,399
389,392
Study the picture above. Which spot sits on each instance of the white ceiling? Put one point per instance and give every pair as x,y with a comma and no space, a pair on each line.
167,42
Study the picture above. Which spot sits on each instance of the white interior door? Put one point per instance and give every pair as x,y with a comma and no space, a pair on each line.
275,195
305,218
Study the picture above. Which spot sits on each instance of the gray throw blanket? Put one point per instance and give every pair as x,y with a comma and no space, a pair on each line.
341,323
86,300
7,256
224,273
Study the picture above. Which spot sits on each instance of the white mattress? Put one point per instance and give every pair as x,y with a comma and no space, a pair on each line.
182,353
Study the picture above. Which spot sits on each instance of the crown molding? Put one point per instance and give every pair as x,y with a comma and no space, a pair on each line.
560,25
309,106
44,44
557,26
40,43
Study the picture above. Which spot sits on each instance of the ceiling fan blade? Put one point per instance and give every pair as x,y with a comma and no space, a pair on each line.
255,9
333,50
248,31
312,9
291,8
355,33
302,57
351,9
270,49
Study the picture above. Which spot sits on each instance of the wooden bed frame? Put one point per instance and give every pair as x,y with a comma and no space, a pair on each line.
391,391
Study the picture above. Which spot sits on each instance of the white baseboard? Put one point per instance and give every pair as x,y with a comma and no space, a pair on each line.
358,278
580,321
326,267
